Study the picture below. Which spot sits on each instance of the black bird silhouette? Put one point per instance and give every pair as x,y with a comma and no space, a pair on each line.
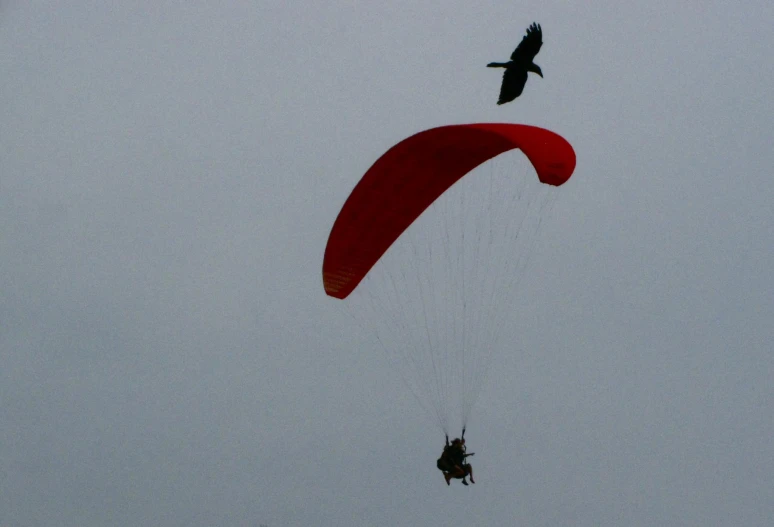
515,76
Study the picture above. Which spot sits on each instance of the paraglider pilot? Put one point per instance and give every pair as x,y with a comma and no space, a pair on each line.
452,461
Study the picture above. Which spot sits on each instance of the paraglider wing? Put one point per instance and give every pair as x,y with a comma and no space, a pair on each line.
411,175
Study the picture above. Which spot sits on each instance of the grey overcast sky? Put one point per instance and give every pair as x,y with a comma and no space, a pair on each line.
170,173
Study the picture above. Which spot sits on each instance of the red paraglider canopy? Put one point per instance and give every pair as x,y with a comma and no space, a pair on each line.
411,175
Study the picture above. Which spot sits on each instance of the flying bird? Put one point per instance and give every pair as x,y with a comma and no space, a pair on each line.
515,76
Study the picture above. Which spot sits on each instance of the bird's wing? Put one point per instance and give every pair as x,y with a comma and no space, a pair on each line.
529,45
513,84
